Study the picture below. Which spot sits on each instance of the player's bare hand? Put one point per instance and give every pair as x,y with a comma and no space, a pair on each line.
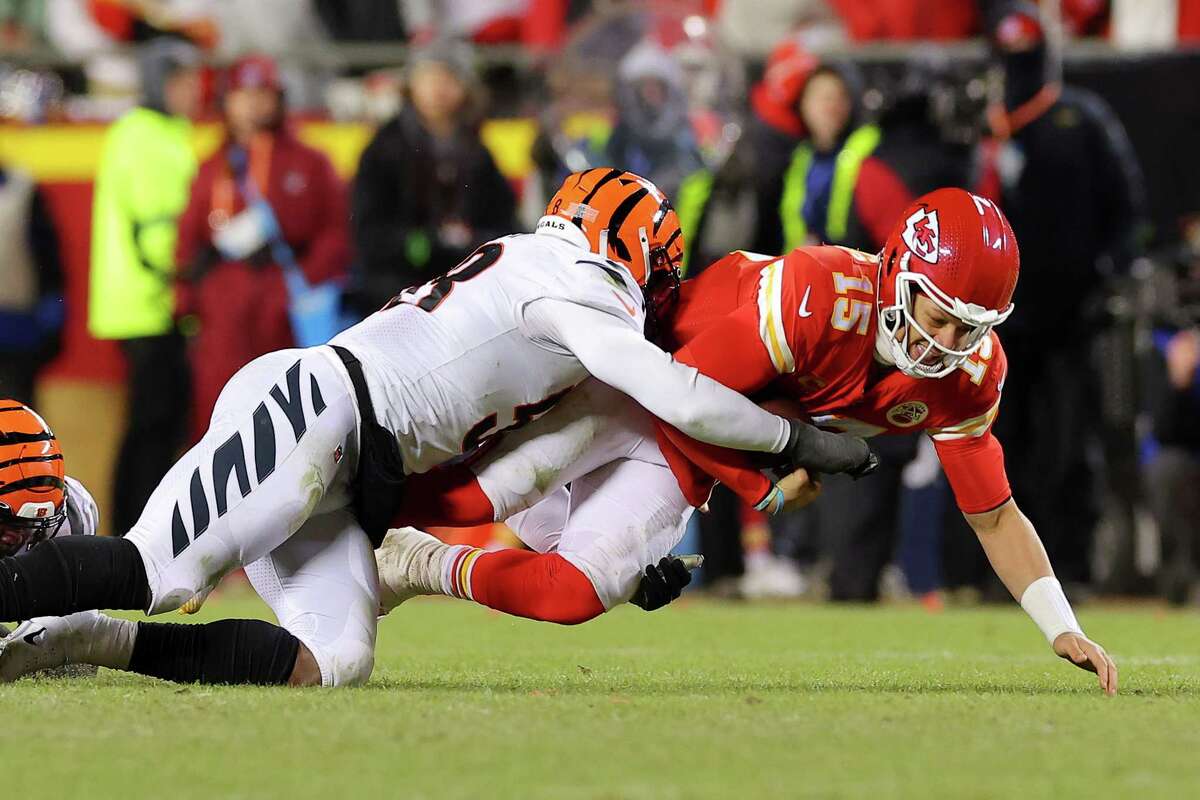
799,489
1086,654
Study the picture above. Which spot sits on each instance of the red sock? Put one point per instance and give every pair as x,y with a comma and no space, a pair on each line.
542,586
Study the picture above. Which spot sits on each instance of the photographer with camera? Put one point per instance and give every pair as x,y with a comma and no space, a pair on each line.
1173,473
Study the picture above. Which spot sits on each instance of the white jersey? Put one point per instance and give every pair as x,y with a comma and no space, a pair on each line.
83,518
452,362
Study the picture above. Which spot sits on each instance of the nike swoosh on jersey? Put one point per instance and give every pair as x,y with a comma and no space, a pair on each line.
32,638
804,312
632,311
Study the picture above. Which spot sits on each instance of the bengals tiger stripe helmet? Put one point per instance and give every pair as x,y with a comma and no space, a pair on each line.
627,219
33,491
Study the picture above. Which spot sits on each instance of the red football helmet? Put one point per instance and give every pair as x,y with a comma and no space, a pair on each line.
958,250
33,492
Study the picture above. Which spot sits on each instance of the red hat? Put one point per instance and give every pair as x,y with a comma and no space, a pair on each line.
776,97
253,72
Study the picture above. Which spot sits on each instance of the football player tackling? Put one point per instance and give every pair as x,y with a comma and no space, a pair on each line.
300,470
893,343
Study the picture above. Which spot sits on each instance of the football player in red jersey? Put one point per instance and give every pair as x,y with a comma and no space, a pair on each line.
898,342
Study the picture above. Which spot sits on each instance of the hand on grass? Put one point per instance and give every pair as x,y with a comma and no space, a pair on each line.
1086,654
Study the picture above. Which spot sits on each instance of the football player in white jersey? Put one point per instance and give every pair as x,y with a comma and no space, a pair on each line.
38,500
301,469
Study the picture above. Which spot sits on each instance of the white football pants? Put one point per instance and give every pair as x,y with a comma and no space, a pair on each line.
268,487
623,510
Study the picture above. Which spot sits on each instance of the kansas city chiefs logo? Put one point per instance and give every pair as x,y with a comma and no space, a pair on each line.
921,234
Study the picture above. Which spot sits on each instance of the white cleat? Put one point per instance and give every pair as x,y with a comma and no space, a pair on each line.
410,564
36,645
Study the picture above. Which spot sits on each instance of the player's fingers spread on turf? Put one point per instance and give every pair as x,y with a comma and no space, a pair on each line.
1099,666
1112,674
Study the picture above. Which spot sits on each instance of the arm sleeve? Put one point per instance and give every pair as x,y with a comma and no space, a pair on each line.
730,467
676,393
731,352
975,469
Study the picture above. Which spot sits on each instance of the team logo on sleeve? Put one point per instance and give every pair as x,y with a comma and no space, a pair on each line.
905,415
921,234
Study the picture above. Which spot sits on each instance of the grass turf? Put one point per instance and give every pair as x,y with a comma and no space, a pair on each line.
698,700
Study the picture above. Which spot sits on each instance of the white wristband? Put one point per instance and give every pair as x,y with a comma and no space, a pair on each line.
1045,602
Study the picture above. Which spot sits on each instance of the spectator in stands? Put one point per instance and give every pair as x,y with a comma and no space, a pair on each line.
833,190
261,191
141,189
427,191
653,135
1173,392
31,303
1061,167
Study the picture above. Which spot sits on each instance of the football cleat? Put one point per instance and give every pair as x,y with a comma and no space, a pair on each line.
36,645
410,564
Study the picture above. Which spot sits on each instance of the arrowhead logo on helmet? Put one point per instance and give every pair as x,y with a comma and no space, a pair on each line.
921,234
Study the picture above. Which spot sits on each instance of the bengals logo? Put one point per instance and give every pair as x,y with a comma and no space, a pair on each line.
905,415
921,234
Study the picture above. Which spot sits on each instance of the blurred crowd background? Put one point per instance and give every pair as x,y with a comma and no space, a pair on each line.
168,168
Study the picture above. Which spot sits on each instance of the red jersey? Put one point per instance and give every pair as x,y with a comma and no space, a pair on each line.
803,326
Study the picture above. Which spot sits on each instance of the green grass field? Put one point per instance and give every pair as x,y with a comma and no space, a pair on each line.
698,700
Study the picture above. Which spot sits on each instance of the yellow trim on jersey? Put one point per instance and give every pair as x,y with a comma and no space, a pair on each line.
972,428
770,317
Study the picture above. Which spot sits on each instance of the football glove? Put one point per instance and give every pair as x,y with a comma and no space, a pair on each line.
664,582
830,453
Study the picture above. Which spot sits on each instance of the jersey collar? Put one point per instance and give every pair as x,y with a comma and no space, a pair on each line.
562,228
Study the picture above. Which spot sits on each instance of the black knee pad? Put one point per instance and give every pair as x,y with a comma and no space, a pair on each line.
229,651
73,573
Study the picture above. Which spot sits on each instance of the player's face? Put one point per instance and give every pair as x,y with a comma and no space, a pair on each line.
942,327
12,539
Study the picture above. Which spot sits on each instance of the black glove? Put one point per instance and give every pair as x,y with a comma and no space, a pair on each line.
821,451
661,584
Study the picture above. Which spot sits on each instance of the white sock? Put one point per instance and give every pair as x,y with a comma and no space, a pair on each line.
99,639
